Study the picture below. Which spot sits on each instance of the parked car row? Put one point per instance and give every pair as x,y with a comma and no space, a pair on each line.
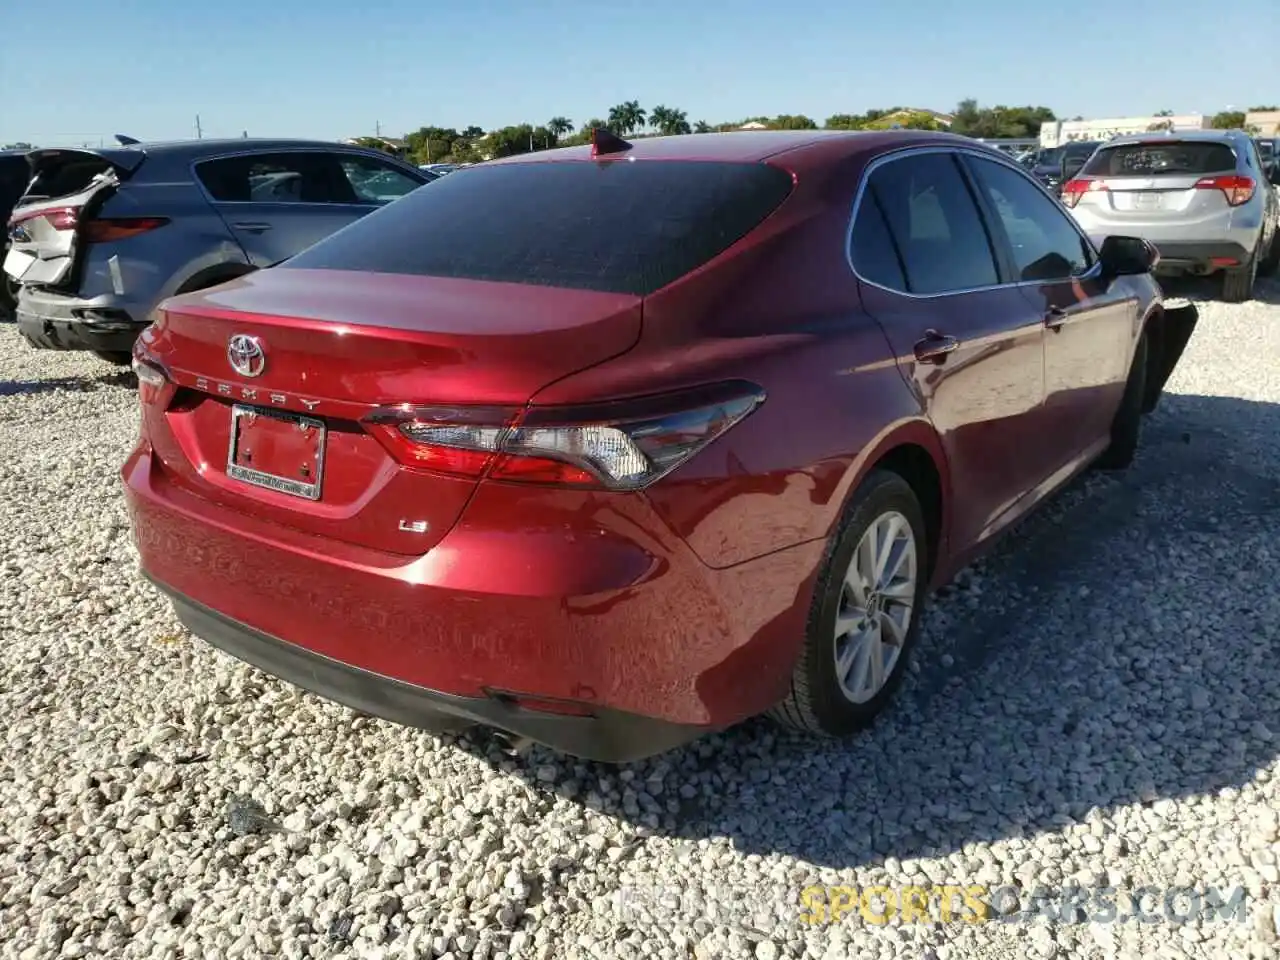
1209,200
99,237
613,445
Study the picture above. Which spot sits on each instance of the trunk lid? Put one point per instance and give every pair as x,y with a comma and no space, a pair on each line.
335,346
67,188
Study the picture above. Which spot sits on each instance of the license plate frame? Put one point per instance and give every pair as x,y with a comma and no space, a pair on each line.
1148,201
244,413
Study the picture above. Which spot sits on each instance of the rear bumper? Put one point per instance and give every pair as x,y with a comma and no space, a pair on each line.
51,321
607,735
1177,256
597,606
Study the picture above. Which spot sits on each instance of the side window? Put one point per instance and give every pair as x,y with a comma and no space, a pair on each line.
267,178
1046,246
934,223
873,252
374,182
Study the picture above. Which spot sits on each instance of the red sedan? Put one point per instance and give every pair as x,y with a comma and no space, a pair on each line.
610,446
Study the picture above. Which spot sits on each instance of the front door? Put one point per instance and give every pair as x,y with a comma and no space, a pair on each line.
1089,322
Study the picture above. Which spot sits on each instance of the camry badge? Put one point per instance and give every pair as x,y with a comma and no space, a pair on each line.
246,356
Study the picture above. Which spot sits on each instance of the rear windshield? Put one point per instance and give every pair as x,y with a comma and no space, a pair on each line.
64,175
1173,158
614,227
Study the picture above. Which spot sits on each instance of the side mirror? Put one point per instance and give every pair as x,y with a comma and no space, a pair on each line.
1071,166
1127,256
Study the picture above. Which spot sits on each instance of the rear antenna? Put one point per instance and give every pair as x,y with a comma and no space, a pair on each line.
605,142
126,141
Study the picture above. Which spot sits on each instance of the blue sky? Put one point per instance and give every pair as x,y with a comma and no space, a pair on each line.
78,70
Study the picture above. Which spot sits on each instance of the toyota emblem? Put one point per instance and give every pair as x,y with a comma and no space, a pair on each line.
246,355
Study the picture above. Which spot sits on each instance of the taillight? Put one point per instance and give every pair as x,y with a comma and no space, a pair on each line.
625,445
1236,189
152,379
1074,189
60,218
121,228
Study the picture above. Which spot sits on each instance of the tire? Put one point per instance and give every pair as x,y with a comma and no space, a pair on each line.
1271,261
1127,424
8,297
1237,285
819,702
122,358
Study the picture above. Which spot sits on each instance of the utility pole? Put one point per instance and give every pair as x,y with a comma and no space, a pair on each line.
199,132
377,129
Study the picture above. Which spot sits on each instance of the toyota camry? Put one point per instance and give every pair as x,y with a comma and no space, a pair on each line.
610,446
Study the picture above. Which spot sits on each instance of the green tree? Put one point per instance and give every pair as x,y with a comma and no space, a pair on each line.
972,120
1264,109
559,126
669,121
627,117
511,141
702,127
788,121
1228,120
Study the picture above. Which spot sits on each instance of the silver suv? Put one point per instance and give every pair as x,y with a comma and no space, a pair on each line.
1204,198
101,237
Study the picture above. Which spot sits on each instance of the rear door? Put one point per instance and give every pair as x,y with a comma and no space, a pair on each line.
1090,323
1160,182
971,344
67,188
278,204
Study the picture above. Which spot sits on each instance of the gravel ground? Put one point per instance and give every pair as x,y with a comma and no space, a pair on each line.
1094,705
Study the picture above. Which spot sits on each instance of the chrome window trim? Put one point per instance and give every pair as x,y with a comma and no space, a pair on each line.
338,150
911,151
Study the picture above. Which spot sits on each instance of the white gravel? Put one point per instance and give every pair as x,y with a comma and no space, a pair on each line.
1099,703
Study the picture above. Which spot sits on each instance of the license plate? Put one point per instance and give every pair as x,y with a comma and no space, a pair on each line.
276,450
1148,201
17,263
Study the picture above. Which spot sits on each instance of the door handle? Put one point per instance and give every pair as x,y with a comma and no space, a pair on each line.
253,227
1055,317
935,346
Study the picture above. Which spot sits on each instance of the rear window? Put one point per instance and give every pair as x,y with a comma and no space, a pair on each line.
64,175
617,226
1173,158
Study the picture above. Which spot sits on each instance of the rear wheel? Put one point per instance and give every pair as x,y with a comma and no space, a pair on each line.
1237,285
1272,260
119,357
8,295
863,623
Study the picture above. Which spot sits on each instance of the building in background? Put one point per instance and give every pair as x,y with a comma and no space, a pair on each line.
1063,131
1263,123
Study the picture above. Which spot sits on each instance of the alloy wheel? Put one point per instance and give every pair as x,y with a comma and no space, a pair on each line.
876,605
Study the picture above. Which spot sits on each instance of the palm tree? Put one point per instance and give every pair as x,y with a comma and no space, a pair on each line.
559,126
702,127
627,117
669,121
